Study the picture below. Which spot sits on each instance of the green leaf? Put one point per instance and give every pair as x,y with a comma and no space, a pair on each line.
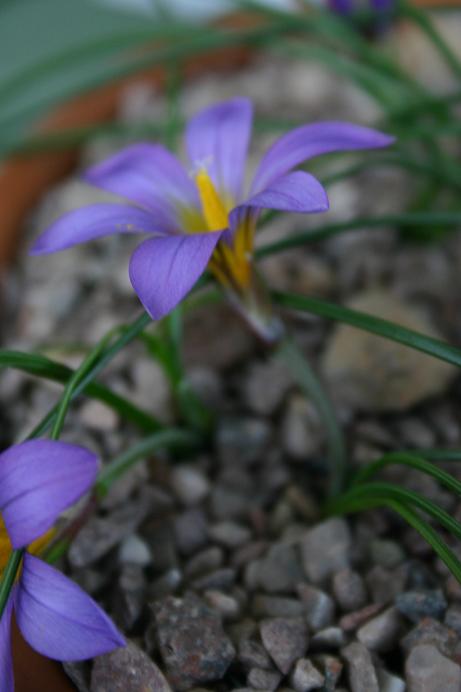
40,366
417,462
171,438
369,323
448,218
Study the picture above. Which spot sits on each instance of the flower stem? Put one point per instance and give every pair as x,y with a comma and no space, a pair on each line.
8,577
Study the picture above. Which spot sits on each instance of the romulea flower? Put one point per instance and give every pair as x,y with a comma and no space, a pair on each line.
202,218
38,480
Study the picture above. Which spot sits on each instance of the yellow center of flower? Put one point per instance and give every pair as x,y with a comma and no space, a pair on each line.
213,207
35,548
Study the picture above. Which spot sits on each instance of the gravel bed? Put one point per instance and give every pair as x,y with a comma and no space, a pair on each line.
220,568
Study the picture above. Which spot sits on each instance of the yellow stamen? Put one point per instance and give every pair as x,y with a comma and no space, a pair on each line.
213,207
35,548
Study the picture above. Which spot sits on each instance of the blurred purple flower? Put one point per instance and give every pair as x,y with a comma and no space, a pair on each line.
203,219
38,480
380,10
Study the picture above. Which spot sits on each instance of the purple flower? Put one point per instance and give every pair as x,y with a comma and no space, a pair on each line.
38,480
380,10
203,219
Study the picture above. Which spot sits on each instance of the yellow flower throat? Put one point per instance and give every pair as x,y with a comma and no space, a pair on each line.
231,264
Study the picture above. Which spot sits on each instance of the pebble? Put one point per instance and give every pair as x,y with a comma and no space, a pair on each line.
225,604
285,639
241,441
384,585
191,531
361,671
352,621
189,484
430,631
416,605
453,618
96,415
319,606
276,606
349,590
325,549
192,642
135,551
252,654
306,677
222,578
332,669
229,534
301,432
280,569
265,385
389,682
127,669
427,670
381,632
386,553
129,596
328,638
204,562
262,679
370,373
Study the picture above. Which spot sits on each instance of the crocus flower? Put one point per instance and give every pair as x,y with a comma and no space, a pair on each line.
202,218
379,11
38,480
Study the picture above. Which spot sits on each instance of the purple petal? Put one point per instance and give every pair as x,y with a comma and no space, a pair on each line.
308,141
296,192
163,270
38,480
341,6
150,176
58,619
96,221
6,661
217,138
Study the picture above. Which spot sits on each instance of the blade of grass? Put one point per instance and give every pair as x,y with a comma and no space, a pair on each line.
369,323
413,461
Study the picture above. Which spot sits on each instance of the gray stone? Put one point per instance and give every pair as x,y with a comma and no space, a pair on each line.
306,677
135,551
361,671
191,531
276,606
280,569
192,642
328,638
229,534
381,632
384,585
331,668
262,679
204,562
129,595
374,374
386,553
222,578
302,432
189,484
430,631
349,590
389,683
127,670
265,385
325,549
252,654
453,618
427,670
96,415
285,639
319,606
241,441
225,604
416,605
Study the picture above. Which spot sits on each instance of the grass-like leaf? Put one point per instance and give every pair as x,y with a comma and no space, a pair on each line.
40,366
369,323
416,462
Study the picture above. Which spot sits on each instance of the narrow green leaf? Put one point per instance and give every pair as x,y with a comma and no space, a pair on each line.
171,438
416,462
374,325
40,366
